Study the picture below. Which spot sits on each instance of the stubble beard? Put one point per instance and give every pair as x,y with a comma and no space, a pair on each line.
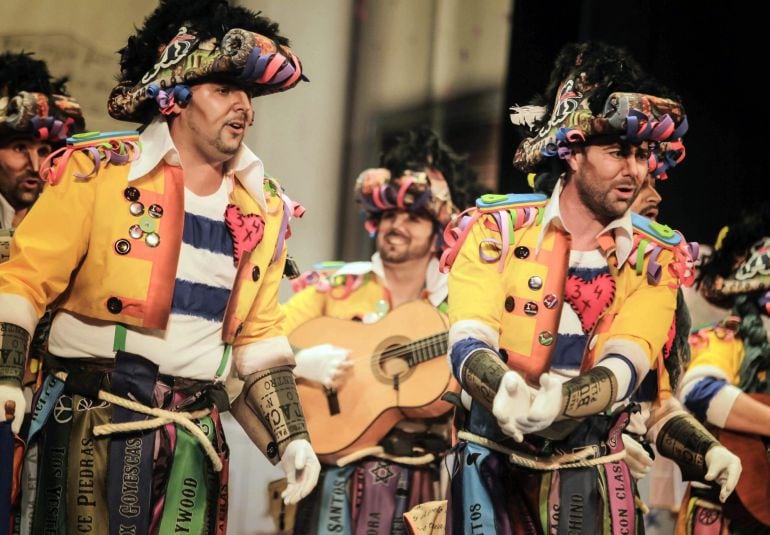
598,201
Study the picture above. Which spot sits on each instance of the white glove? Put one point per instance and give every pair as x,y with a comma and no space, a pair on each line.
325,364
724,468
511,401
637,458
13,393
302,468
545,406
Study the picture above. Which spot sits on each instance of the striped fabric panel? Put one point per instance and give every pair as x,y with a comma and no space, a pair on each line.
203,233
201,300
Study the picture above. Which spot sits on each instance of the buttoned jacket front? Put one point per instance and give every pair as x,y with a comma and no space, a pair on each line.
75,250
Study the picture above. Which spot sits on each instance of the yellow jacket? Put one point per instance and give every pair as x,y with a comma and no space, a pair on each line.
350,291
66,253
486,298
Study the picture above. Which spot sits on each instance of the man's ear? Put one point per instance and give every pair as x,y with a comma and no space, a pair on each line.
572,158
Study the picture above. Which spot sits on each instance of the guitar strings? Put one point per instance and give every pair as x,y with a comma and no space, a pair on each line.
406,349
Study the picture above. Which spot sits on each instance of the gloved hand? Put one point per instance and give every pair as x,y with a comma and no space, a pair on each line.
637,458
545,407
13,393
511,401
724,468
325,364
302,468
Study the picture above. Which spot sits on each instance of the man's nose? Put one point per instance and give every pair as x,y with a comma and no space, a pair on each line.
34,160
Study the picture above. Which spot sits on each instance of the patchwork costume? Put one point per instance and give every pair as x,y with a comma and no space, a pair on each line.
556,312
594,323
730,358
32,107
158,292
370,489
357,291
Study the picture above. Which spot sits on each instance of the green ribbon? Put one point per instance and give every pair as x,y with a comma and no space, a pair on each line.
187,494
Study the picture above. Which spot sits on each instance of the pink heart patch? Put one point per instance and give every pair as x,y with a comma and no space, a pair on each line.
589,299
247,230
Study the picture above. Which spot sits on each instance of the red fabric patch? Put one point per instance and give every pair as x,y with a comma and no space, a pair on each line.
589,299
246,230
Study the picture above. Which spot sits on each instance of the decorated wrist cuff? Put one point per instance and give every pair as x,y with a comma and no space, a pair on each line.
272,395
14,344
685,441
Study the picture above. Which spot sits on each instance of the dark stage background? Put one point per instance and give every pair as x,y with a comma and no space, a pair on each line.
704,51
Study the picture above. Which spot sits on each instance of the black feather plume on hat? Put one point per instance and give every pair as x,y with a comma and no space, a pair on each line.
21,72
206,18
420,148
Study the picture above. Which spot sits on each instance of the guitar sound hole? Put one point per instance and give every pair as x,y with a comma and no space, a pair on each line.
393,362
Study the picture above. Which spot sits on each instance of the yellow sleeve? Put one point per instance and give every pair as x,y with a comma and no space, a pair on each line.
645,317
265,319
303,306
48,246
475,289
710,352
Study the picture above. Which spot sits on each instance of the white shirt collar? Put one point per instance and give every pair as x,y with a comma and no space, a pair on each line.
622,228
7,213
435,281
157,145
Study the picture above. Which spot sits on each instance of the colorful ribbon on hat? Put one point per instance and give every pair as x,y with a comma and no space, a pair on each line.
271,69
51,129
179,94
117,148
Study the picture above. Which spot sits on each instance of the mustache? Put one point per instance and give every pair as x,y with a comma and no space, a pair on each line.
246,118
396,233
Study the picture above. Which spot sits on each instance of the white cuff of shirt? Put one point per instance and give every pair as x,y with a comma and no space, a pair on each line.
262,355
19,311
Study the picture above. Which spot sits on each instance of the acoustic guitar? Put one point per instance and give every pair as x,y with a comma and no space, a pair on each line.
400,371
752,494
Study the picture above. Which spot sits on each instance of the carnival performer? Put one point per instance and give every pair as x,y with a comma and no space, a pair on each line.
559,309
163,252
407,202
36,116
728,373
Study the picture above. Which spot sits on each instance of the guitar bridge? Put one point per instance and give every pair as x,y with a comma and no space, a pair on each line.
333,401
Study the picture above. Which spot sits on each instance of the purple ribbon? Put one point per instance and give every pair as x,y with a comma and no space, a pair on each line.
654,269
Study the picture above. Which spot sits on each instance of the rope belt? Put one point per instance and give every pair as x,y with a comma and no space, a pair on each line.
162,417
379,452
576,459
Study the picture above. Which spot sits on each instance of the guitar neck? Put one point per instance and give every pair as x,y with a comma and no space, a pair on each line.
427,348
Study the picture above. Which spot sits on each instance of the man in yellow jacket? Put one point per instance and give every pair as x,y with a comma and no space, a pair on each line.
36,116
726,382
161,254
559,309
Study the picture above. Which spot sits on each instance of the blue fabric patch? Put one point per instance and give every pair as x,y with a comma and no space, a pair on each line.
199,300
631,368
587,274
568,351
461,350
699,398
204,233
648,390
